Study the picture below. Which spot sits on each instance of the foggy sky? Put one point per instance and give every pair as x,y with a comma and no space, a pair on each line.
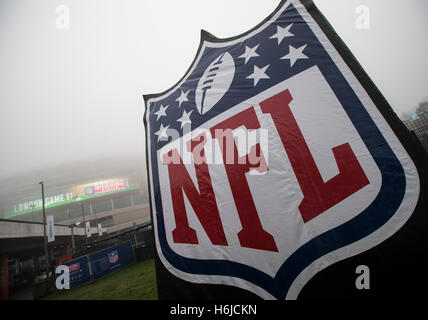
76,94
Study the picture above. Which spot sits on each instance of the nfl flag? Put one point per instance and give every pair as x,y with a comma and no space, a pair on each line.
88,229
276,168
51,228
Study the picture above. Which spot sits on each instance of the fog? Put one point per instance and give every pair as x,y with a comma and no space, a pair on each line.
73,95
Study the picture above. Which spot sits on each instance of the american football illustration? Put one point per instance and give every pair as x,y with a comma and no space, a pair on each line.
215,82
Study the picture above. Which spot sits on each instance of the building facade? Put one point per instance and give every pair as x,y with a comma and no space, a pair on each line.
113,202
418,124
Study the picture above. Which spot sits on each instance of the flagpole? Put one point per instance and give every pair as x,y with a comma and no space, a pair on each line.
84,223
44,230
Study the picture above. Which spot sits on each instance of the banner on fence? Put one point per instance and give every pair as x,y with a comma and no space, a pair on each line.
79,271
106,261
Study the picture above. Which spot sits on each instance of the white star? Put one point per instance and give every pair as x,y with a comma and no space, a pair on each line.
295,54
249,53
259,73
182,98
185,118
161,112
282,33
162,132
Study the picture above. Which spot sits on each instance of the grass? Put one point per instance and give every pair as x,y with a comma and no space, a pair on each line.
135,282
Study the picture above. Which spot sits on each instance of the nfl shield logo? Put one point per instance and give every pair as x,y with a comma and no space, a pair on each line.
270,160
113,257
